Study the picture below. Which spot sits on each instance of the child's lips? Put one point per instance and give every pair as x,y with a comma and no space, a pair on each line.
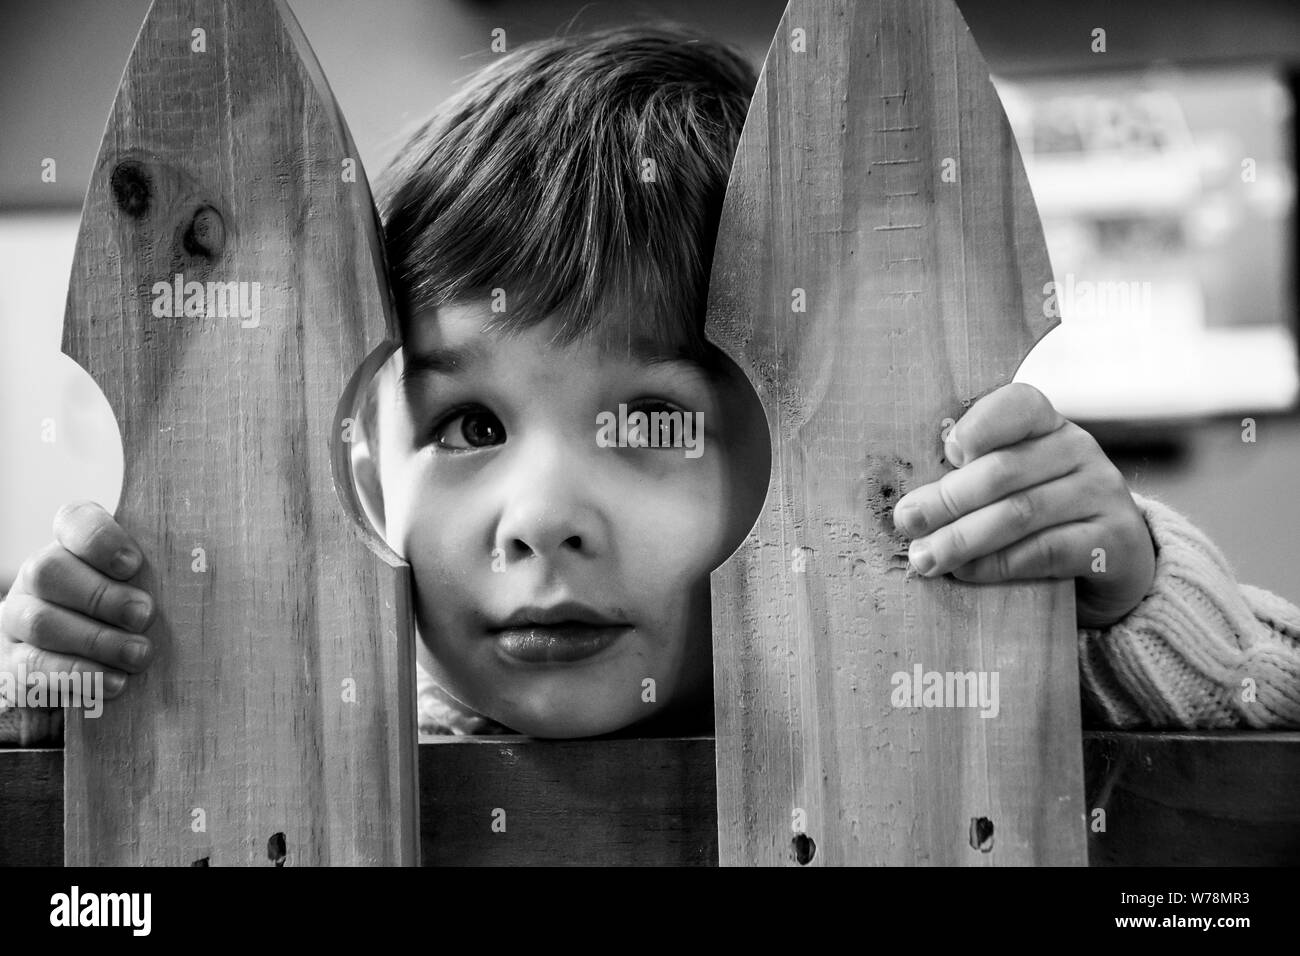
560,643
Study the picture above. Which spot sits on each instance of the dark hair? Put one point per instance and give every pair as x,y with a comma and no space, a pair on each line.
530,179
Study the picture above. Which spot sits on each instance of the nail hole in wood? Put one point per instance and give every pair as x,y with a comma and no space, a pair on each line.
132,188
981,834
804,848
276,849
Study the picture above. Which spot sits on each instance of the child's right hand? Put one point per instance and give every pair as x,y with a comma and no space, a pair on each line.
69,610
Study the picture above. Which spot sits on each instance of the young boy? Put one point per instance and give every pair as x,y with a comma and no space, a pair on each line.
542,286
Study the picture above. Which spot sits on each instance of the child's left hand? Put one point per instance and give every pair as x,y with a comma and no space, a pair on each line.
1033,496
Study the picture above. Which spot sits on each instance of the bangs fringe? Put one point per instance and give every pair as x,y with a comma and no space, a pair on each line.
572,176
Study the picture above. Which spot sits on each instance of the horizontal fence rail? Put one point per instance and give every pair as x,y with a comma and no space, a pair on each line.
1172,798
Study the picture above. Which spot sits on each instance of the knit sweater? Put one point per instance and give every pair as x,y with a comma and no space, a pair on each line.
1199,651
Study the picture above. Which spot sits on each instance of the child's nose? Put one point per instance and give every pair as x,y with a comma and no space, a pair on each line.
549,511
540,545
538,530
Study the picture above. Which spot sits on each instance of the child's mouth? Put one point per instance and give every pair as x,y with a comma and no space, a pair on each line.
557,643
563,633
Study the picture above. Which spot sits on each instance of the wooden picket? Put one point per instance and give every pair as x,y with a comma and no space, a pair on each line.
228,294
880,266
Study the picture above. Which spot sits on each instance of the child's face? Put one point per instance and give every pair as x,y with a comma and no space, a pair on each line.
562,587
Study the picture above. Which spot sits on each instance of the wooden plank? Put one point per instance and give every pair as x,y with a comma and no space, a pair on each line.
31,807
1194,799
280,699
1202,799
920,295
513,801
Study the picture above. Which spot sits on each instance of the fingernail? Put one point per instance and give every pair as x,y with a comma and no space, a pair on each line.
135,652
953,451
125,562
920,557
137,615
114,683
910,519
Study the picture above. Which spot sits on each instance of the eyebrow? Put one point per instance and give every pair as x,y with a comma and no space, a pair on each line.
650,351
454,360
442,360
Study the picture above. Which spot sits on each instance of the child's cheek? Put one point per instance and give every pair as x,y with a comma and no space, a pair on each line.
399,465
441,542
679,523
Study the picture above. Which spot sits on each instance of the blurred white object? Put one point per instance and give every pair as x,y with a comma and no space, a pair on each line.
59,437
1167,200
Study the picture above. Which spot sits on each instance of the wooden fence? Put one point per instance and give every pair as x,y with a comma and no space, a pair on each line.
868,297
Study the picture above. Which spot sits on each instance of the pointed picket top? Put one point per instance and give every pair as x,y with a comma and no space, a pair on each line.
228,295
880,265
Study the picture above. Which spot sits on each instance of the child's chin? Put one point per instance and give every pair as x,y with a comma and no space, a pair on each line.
564,724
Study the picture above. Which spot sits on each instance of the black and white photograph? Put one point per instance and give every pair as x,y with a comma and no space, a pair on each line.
751,434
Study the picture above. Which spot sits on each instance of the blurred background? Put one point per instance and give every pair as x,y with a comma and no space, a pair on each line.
1161,153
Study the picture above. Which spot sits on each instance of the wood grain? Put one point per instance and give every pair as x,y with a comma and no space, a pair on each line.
921,295
228,165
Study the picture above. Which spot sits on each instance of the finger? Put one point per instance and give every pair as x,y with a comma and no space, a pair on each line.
90,532
27,619
25,661
1011,414
1003,523
985,480
1062,551
60,577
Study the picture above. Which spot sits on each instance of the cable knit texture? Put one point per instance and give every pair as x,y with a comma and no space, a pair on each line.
1200,651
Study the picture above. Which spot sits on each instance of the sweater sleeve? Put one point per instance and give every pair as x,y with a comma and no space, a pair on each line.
29,726
437,713
26,726
440,713
1200,651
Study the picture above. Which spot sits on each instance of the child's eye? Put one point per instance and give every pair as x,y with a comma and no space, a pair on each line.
469,428
669,433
